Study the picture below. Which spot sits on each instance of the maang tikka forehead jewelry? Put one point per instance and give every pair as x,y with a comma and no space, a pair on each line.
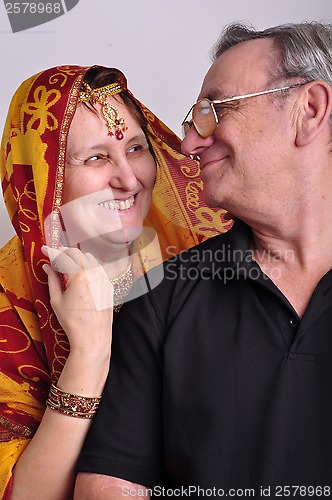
115,123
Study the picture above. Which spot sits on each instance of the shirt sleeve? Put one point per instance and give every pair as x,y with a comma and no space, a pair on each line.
125,439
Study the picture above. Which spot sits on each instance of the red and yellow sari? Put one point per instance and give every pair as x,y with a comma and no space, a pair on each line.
33,347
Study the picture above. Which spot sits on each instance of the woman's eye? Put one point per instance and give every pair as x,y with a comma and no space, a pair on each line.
95,159
136,148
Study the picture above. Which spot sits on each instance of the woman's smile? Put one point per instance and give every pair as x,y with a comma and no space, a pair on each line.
120,205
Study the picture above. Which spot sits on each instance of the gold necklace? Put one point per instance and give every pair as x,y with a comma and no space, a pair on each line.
122,285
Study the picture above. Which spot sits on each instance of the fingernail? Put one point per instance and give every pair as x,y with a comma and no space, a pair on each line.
46,268
44,249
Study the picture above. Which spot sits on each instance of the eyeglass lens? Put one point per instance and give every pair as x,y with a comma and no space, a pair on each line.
204,119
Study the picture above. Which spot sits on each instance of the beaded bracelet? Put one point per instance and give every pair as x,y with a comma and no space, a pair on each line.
72,405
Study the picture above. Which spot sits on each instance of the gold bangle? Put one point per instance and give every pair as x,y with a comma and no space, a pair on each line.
72,405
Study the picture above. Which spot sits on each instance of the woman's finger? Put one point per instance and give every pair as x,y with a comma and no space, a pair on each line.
54,282
66,262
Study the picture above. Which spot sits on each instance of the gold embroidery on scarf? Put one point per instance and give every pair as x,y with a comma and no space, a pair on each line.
6,307
12,332
39,302
70,109
162,145
29,214
209,222
212,222
14,430
192,195
148,114
181,218
33,368
190,172
39,263
162,140
61,343
41,119
63,72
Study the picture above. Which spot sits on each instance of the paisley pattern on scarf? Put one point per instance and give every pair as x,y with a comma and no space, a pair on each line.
33,346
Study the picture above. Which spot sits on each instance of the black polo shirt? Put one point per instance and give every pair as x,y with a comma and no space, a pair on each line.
217,384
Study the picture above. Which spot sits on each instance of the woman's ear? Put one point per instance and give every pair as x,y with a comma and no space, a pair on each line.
315,112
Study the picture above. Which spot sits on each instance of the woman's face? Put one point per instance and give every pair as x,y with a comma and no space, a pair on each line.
108,182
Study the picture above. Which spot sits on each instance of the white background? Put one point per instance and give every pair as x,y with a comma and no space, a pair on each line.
163,47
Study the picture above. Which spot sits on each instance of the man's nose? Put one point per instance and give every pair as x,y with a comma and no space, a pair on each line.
194,144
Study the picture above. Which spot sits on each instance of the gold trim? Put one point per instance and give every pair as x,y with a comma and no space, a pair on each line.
59,181
17,430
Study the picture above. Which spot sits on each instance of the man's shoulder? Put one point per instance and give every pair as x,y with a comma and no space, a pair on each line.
168,286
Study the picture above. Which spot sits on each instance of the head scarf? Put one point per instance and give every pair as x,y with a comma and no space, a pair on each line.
33,346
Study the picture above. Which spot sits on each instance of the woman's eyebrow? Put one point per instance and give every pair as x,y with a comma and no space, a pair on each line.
137,137
86,149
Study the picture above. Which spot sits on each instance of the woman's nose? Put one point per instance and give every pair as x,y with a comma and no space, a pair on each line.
123,176
194,144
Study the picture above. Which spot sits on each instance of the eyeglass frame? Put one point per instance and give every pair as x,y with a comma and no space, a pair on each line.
191,123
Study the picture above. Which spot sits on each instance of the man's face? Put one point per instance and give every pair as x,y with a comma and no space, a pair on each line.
246,161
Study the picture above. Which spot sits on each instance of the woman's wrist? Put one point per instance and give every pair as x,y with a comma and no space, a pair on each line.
84,376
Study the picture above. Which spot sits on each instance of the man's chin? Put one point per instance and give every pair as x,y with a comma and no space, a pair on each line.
210,198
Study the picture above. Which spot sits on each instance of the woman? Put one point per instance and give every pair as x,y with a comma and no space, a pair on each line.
48,167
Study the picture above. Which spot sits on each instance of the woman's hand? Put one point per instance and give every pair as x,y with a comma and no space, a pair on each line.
85,307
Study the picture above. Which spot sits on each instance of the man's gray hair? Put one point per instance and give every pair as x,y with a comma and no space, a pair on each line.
305,48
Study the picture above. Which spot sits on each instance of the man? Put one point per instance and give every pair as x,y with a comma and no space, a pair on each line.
220,382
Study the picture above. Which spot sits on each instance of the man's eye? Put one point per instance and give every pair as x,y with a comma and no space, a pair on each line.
227,106
221,109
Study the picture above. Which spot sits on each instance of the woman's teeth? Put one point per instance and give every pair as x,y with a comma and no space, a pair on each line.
118,204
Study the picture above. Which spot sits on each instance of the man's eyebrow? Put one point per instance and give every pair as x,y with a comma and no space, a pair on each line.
216,94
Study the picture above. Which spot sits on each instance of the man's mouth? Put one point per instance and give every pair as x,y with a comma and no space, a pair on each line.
118,204
204,164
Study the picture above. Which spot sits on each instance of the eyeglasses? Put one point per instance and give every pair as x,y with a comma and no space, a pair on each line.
204,114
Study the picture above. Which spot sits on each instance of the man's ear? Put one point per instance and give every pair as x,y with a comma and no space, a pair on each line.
315,111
